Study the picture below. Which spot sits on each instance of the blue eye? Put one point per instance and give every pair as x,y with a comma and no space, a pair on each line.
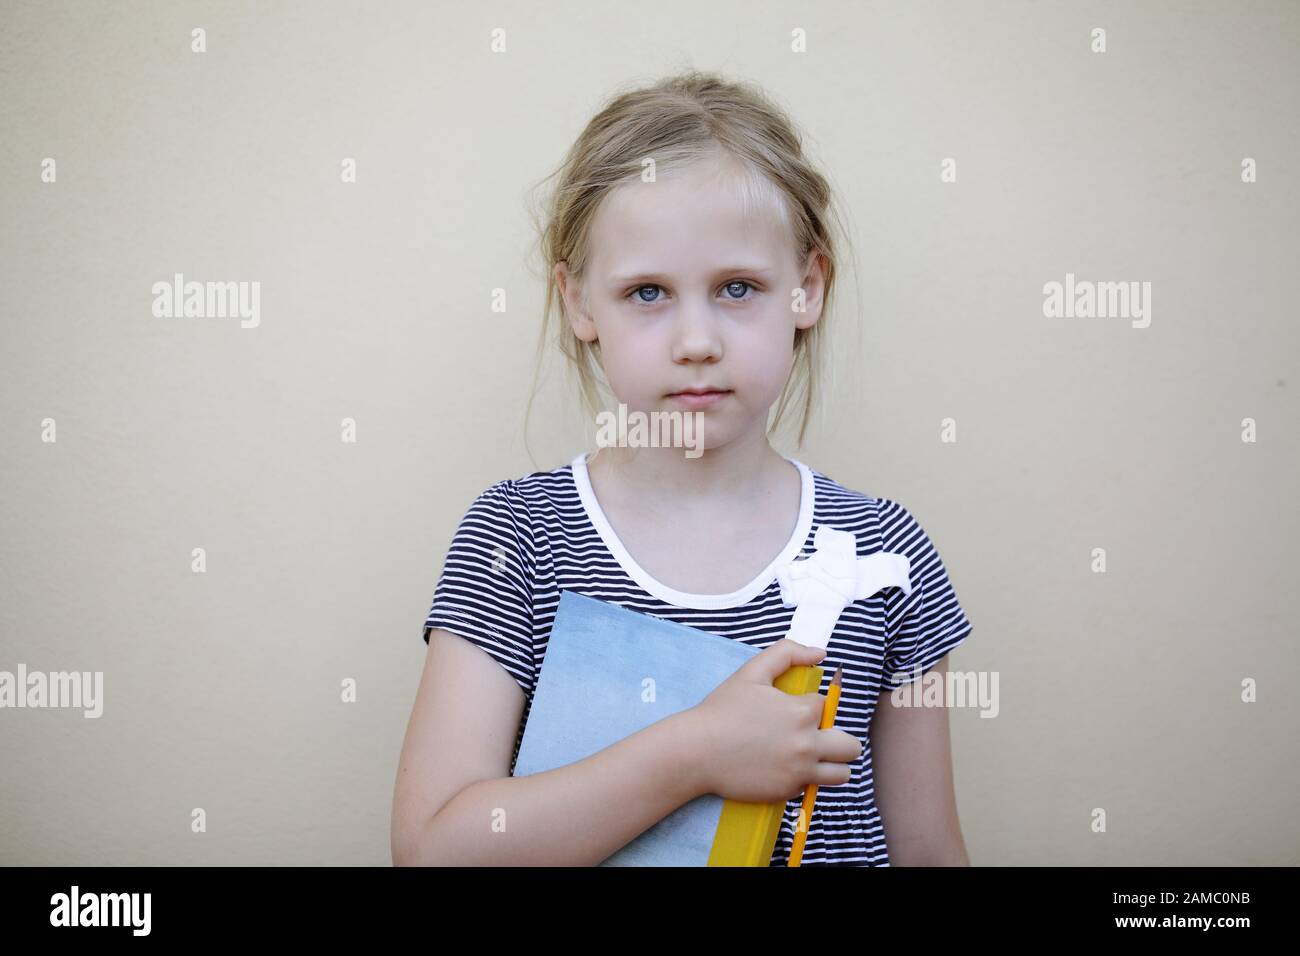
636,292
737,284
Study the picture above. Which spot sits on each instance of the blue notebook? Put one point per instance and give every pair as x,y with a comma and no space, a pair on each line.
609,672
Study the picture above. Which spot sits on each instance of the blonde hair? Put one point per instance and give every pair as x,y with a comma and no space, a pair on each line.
676,121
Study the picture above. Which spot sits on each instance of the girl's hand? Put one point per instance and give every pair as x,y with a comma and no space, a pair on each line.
759,744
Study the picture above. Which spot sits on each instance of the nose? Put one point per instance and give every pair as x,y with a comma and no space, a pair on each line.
696,337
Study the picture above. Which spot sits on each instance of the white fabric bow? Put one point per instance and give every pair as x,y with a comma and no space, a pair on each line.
823,584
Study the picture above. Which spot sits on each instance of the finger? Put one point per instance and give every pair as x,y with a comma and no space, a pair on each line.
832,774
775,660
837,745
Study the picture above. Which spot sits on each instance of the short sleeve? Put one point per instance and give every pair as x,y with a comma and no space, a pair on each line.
485,593
925,625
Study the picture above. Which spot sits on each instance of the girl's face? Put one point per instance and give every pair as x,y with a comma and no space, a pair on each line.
683,291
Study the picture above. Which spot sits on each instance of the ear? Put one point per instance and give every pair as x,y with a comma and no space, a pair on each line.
814,286
573,295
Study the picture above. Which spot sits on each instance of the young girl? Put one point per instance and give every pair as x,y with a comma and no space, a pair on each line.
688,242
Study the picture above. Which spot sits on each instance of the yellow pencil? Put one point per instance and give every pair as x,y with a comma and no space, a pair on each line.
810,795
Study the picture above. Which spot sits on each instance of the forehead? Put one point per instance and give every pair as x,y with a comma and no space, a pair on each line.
688,219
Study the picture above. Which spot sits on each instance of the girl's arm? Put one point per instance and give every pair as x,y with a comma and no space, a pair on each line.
912,766
455,804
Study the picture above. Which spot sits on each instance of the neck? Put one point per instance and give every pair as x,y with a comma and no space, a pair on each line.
736,474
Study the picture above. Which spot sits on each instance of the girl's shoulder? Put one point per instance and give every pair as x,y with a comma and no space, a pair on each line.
533,499
886,522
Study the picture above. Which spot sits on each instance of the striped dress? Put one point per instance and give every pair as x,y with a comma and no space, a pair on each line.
524,540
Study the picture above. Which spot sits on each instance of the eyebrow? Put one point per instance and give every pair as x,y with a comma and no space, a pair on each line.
717,274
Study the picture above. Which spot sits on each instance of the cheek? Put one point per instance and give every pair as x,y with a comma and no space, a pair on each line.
767,359
622,356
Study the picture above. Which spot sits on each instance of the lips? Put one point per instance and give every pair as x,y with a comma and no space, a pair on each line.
699,398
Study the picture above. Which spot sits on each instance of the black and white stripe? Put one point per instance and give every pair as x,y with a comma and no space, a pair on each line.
524,540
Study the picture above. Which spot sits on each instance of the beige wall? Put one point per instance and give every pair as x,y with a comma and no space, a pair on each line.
1119,691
